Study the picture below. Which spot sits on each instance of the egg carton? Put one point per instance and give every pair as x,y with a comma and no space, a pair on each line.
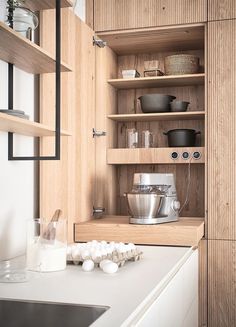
117,257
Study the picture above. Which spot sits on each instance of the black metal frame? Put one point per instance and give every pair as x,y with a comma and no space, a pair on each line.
58,98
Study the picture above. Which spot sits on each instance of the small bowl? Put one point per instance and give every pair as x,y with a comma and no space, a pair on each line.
179,105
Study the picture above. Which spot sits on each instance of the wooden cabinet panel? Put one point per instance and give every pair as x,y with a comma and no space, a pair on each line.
124,14
106,104
221,130
69,184
221,283
221,9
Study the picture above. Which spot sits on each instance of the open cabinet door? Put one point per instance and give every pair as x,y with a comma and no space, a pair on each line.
69,184
106,104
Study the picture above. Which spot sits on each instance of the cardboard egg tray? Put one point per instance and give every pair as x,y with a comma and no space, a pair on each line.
119,258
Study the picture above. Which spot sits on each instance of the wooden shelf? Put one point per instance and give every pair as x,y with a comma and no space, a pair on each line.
160,39
37,5
24,54
26,127
188,115
152,156
159,81
185,232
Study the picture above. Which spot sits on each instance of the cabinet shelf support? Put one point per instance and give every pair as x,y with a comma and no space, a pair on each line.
57,98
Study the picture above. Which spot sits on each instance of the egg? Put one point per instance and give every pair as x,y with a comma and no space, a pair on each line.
88,265
85,254
110,268
132,246
104,262
75,253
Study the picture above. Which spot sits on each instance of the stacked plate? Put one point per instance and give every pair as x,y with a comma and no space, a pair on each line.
17,113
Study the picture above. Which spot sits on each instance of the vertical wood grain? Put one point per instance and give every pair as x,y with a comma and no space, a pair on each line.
54,174
221,283
221,130
221,9
69,184
124,14
106,103
89,13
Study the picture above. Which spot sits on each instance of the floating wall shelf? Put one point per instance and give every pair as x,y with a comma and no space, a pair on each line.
168,116
37,5
26,127
159,81
24,54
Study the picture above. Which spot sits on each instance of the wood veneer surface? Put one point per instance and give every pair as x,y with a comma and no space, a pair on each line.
221,9
221,130
185,232
123,14
221,283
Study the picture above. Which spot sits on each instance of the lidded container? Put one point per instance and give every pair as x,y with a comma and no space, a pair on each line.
46,245
21,19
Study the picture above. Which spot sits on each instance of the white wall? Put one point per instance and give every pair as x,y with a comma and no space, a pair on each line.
16,178
79,8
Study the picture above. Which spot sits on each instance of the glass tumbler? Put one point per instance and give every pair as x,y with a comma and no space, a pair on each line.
132,138
147,139
14,270
46,245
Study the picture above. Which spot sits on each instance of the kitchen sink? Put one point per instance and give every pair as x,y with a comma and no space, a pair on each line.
47,314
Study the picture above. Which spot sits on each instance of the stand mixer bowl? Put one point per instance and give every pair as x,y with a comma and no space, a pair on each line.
144,205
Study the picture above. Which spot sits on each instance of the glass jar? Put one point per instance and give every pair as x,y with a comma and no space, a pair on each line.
132,138
147,139
24,21
46,245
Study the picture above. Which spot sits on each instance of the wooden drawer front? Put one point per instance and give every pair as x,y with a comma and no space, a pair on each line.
221,128
221,283
221,9
123,14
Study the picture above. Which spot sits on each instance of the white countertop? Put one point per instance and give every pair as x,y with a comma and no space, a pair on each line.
126,292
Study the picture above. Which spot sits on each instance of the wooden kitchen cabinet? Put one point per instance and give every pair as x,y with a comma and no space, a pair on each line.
125,14
221,283
221,9
221,130
86,177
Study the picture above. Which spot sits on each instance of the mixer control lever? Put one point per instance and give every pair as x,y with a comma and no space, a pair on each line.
175,205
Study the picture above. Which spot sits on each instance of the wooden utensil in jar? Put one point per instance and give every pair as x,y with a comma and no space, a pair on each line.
50,232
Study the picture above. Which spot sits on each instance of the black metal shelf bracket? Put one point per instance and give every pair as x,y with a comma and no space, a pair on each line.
57,97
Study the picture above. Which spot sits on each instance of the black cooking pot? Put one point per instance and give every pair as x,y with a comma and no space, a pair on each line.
155,102
181,137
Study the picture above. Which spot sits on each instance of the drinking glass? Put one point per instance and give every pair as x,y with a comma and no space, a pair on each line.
147,139
132,138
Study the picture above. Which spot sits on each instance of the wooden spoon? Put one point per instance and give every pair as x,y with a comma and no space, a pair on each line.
50,232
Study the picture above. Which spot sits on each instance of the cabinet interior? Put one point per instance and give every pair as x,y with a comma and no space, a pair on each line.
159,45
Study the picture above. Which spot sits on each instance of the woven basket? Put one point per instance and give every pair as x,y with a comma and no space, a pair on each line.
181,64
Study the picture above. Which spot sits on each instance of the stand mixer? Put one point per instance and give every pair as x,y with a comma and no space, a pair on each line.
153,199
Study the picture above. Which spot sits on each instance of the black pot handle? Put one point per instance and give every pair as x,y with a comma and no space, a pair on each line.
197,132
165,133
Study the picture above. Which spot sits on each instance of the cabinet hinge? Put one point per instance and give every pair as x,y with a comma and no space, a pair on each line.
98,133
100,43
